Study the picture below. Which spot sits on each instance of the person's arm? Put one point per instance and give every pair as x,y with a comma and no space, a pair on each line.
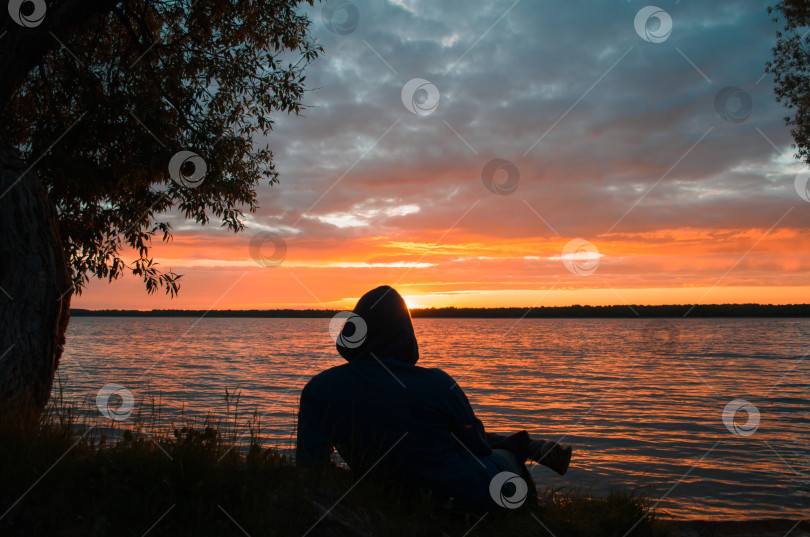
464,425
313,447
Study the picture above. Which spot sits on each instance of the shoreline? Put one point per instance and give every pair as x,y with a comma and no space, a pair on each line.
220,465
762,527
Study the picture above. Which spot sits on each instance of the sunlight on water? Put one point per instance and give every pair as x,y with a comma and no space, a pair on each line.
641,401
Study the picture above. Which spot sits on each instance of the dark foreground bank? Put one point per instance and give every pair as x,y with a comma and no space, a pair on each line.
87,477
214,478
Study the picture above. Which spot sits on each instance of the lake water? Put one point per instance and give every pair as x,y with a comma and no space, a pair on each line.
641,401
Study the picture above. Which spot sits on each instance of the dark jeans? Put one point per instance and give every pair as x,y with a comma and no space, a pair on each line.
518,445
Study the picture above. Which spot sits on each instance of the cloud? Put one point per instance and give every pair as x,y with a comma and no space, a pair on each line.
616,139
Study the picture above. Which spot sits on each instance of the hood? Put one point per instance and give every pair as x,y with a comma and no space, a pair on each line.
380,324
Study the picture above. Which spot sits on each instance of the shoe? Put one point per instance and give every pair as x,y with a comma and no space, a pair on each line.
555,456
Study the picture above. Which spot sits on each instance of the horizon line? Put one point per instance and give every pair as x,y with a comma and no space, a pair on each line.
574,310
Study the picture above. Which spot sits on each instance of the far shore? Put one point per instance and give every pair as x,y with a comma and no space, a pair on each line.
543,312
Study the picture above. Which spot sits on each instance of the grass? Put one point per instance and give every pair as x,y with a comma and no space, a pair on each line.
75,477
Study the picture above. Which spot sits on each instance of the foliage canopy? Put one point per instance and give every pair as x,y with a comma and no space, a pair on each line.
103,113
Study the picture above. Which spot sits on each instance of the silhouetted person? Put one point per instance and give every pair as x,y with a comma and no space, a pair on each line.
412,426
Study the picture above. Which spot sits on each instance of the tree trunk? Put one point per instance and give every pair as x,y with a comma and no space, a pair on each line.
35,283
35,291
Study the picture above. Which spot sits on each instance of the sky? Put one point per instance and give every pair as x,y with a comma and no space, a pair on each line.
516,153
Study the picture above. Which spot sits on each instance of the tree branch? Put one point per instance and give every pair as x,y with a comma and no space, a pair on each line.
22,49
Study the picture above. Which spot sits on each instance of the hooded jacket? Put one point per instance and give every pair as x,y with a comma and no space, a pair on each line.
408,424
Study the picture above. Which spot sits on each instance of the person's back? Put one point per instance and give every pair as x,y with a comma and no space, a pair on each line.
382,411
411,426
399,419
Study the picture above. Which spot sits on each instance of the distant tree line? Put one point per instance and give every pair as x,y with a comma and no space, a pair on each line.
544,312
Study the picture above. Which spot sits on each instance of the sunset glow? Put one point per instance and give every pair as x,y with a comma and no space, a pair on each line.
663,267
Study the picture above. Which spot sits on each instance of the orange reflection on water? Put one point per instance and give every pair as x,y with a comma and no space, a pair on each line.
640,400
